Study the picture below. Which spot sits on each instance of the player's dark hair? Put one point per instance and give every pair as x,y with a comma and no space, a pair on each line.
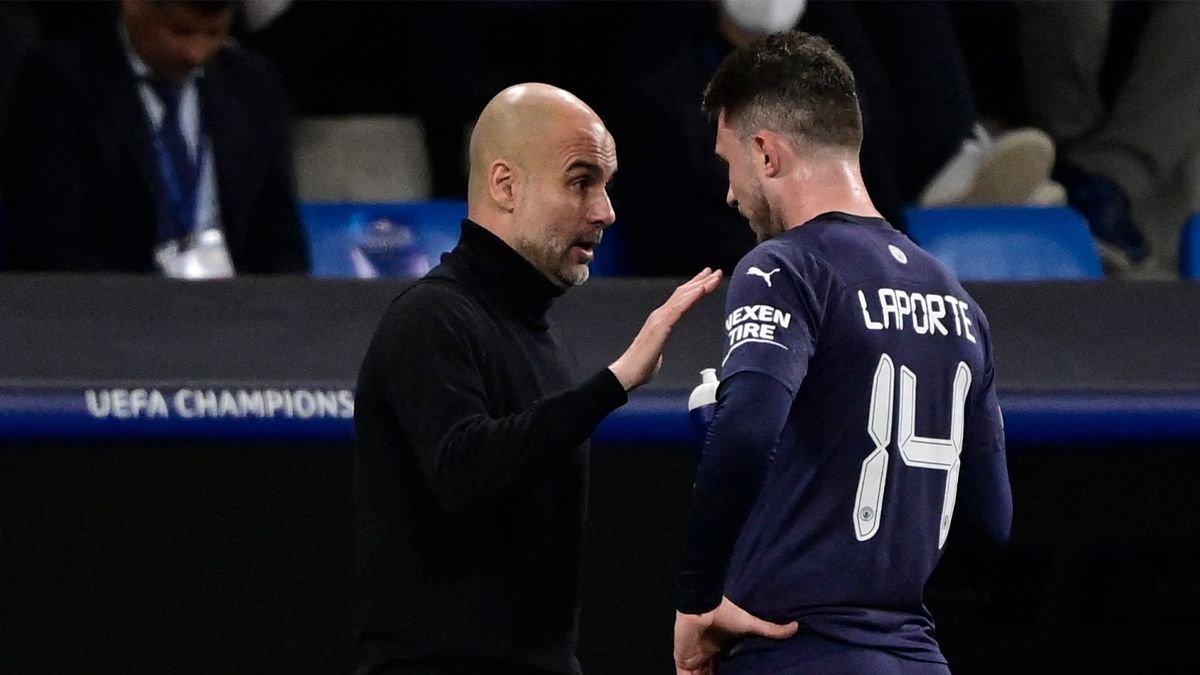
792,83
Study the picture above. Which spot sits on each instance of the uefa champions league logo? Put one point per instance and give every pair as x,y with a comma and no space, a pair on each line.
388,249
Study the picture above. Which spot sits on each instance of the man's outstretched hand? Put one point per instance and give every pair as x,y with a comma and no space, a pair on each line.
642,359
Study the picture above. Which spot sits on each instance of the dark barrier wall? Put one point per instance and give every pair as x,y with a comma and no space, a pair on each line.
188,549
1076,361
236,557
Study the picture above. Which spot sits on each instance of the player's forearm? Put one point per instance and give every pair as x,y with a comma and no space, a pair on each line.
750,415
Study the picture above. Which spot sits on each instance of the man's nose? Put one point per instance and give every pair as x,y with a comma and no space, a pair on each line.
603,211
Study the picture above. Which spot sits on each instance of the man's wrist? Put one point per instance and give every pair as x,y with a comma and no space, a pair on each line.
624,379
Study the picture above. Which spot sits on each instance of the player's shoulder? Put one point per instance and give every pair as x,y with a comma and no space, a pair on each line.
779,257
764,254
784,251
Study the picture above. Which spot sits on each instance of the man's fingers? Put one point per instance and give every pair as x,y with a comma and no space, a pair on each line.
774,631
689,297
688,294
652,338
740,622
700,284
704,277
700,275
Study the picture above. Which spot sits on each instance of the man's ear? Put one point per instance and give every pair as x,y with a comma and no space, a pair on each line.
502,186
768,153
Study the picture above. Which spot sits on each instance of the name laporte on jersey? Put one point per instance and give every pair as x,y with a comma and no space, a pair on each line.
922,313
885,309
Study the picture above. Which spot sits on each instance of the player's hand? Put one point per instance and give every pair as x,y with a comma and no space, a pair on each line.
700,637
642,359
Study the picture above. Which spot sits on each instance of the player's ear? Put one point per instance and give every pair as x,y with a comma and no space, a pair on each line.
768,152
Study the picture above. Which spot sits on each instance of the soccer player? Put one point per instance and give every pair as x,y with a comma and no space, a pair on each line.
857,400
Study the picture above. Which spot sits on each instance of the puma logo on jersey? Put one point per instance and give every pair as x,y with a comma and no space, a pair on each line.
755,272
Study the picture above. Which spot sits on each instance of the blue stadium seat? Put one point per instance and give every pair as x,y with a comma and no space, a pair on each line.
1008,242
1189,249
369,240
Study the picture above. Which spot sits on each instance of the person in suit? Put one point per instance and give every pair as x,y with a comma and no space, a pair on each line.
152,145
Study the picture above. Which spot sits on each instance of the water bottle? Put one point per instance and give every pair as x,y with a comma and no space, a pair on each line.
702,404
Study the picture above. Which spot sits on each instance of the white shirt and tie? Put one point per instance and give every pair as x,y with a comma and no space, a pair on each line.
204,254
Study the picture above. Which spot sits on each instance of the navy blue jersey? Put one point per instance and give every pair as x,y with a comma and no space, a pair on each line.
888,363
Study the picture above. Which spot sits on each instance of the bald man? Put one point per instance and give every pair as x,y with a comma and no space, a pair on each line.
472,454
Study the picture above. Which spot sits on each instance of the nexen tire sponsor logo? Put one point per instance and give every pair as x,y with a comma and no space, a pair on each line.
220,403
755,324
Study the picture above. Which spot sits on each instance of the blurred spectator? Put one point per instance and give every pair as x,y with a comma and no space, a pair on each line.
149,144
1122,146
923,142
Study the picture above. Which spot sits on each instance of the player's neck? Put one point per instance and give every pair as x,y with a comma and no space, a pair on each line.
829,186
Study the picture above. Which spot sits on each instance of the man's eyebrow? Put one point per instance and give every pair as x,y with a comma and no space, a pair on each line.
590,167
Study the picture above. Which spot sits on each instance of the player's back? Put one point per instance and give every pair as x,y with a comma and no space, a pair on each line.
887,357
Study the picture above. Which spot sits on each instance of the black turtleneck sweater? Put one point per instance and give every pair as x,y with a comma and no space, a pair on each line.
472,468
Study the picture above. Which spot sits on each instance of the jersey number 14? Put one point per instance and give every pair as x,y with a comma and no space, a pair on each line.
941,454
